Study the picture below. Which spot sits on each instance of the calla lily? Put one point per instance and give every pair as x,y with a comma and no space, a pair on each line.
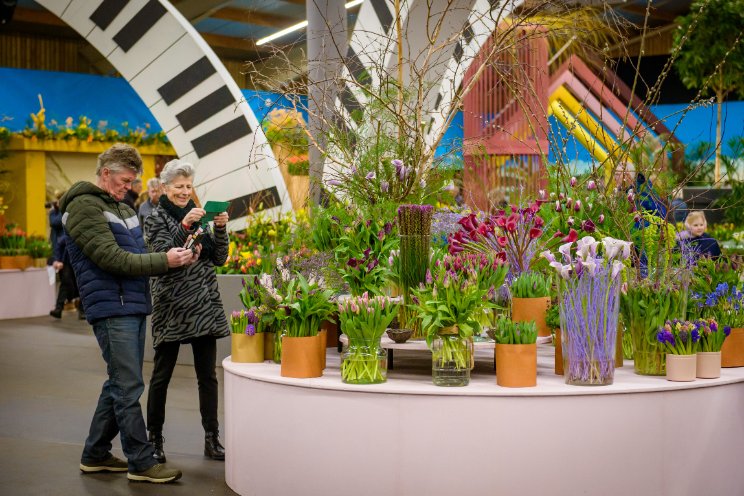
586,248
565,250
535,233
571,236
588,226
617,266
558,207
616,247
547,255
371,175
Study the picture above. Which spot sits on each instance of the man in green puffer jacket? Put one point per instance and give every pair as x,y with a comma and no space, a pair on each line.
112,265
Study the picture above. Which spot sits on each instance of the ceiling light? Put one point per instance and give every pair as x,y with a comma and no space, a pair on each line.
298,26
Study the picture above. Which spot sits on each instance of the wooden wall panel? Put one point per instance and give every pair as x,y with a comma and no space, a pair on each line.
25,51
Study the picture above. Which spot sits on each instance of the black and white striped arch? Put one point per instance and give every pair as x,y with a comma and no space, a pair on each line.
189,92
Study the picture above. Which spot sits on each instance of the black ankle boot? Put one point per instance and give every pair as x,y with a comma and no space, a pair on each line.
156,438
212,447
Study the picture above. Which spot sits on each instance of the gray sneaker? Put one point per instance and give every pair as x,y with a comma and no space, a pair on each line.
110,464
158,474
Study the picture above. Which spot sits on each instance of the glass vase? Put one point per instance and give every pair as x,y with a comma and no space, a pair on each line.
364,362
451,360
589,308
278,345
644,311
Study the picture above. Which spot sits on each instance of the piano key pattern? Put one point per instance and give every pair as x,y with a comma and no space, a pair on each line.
190,93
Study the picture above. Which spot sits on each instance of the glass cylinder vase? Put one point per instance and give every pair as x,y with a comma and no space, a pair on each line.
451,360
364,362
589,315
277,355
644,311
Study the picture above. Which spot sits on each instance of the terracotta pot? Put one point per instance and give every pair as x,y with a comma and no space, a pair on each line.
7,262
323,334
332,331
300,357
558,353
247,349
516,365
22,262
732,352
680,368
708,364
268,345
527,309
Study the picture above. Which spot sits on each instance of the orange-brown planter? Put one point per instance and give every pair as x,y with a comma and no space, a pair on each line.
300,357
516,365
268,345
247,349
7,262
40,263
323,334
732,352
558,353
23,262
331,329
527,309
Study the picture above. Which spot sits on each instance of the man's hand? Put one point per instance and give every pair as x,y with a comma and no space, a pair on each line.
194,215
57,265
178,257
195,256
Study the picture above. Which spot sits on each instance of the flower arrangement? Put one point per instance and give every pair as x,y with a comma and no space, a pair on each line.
364,319
711,335
13,241
508,332
452,297
682,337
248,323
38,247
298,165
725,304
589,289
358,256
517,233
530,285
304,307
286,128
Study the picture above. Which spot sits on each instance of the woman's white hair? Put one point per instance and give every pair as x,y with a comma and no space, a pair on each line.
176,168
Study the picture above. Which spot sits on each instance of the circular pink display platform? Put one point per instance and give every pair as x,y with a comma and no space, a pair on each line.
640,436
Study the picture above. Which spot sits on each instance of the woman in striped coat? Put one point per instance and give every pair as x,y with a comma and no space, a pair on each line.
186,304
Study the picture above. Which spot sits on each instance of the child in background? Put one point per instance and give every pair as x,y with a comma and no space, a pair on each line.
702,244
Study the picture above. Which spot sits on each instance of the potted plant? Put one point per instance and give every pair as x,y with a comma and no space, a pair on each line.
589,291
449,304
39,250
359,252
712,338
516,353
680,340
247,345
305,305
530,293
364,320
258,292
726,305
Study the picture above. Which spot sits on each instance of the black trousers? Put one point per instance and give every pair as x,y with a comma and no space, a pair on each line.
205,357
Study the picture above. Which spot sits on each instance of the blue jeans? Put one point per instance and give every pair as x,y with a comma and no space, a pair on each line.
122,342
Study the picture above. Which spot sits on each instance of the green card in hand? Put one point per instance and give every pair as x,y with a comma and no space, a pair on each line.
214,208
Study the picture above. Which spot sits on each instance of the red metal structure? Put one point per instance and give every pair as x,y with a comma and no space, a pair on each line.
505,120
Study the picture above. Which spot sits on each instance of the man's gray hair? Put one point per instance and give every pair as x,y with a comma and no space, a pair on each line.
118,158
153,183
174,169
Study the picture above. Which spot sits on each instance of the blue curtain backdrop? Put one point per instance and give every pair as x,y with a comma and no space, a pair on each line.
113,101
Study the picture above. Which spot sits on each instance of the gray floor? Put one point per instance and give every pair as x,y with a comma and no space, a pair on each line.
51,373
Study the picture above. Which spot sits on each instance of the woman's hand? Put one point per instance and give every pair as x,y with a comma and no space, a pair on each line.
194,215
221,219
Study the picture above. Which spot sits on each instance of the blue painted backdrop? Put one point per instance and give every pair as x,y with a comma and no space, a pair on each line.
112,100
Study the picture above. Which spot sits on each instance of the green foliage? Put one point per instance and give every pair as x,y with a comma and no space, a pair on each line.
531,285
304,306
38,247
361,254
708,274
101,133
553,317
508,332
706,36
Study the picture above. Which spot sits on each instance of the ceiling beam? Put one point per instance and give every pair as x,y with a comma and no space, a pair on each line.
196,10
653,13
296,2
34,16
252,17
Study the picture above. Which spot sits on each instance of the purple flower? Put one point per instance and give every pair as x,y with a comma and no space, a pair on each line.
372,264
601,218
250,330
588,226
367,252
384,186
573,181
577,205
353,263
727,330
333,182
591,185
370,176
429,278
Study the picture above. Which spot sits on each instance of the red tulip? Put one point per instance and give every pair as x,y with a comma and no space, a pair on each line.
571,237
